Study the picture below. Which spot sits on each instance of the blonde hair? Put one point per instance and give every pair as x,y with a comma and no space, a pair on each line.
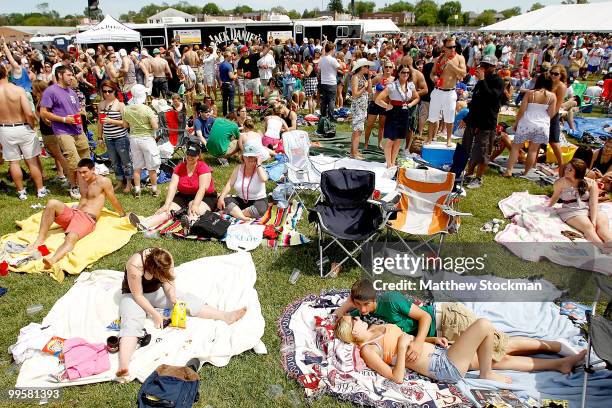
344,330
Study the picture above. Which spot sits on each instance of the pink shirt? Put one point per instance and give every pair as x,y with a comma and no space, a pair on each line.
83,359
189,184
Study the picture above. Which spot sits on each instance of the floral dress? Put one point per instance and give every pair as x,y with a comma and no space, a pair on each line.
359,107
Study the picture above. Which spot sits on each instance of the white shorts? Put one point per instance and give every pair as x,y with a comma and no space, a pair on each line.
19,141
442,106
209,79
252,85
149,85
241,86
145,153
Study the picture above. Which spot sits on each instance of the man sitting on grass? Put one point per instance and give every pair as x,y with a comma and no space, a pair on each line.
445,319
223,138
77,221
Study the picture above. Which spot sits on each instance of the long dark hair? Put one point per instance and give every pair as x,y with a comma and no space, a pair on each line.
543,81
399,69
580,170
158,262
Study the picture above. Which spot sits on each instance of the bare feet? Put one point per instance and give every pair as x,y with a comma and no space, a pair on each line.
334,270
48,262
234,316
568,363
449,143
122,372
496,377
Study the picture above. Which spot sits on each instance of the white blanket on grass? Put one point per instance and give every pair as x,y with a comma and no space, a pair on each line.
225,282
534,222
383,183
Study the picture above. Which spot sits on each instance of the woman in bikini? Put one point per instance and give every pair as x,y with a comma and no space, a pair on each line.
383,348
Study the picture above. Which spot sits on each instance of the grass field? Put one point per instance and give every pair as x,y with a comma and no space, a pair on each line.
247,377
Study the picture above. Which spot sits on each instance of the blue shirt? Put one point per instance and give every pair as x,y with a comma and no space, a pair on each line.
24,81
204,126
224,70
459,117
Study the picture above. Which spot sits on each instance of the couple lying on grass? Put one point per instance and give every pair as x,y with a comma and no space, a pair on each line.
403,336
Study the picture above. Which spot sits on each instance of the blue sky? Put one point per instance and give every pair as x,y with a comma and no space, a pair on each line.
117,7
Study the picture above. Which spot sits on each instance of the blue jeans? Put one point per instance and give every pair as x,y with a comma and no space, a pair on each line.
227,95
119,152
328,100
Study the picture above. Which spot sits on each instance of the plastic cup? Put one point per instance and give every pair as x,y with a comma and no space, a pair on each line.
44,251
101,117
4,268
112,344
77,119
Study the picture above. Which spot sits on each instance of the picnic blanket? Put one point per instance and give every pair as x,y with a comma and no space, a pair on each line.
600,127
543,174
283,220
340,145
92,303
383,183
533,222
111,233
322,364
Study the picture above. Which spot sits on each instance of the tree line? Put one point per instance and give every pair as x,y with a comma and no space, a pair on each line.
426,12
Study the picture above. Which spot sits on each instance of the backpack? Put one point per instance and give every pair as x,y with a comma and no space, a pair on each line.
325,127
210,225
170,387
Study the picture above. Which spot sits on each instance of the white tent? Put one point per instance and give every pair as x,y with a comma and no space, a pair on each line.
108,30
379,26
591,17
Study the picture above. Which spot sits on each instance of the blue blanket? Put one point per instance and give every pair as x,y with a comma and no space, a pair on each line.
541,320
595,126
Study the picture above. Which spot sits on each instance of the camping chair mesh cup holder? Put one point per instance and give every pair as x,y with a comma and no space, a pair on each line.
346,213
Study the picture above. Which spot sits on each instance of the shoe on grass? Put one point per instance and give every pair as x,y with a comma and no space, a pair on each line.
23,195
75,193
135,221
476,183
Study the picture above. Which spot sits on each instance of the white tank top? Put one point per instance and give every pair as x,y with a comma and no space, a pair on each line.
274,127
249,188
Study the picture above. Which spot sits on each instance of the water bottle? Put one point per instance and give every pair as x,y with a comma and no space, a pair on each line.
294,276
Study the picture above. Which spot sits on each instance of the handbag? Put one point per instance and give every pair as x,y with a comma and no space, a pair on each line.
210,225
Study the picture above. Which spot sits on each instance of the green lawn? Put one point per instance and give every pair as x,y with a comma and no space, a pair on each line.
247,377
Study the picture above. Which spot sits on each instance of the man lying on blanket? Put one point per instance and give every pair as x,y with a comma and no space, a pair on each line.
447,319
80,221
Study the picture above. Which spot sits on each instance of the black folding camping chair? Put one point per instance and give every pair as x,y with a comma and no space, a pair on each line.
599,329
346,213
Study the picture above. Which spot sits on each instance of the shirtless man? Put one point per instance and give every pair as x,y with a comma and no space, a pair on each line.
161,73
80,221
145,66
17,136
449,68
421,87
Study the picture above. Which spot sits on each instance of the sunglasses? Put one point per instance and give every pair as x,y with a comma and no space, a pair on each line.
108,91
404,72
389,67
450,47
555,73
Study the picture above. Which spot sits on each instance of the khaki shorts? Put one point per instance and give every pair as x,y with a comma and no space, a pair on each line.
423,111
51,141
456,318
232,146
74,148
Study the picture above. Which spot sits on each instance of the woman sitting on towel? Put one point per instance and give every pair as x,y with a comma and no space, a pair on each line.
191,187
148,284
383,348
249,181
579,209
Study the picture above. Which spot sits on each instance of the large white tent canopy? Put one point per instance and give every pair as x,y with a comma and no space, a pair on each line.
591,17
379,26
108,30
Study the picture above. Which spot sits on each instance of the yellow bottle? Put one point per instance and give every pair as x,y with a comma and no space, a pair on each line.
179,315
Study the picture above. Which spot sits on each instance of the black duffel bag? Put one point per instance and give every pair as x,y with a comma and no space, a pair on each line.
210,225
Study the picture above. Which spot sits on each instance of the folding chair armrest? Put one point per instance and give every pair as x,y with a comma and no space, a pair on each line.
388,209
446,209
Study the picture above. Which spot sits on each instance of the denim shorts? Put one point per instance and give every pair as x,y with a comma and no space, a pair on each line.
442,369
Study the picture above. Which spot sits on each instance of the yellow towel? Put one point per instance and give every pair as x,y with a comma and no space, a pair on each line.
111,233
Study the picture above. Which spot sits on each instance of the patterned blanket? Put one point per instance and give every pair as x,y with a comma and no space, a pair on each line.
281,220
534,222
322,364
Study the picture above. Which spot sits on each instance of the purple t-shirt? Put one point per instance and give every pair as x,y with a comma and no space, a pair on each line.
62,102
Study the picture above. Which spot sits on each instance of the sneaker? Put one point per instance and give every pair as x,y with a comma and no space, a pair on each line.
136,193
22,195
155,193
135,221
185,224
75,193
476,183
43,192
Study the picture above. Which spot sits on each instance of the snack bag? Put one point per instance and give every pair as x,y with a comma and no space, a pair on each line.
179,315
55,346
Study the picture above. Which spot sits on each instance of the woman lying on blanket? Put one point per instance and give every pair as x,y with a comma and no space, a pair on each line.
191,187
149,284
384,350
579,209
249,181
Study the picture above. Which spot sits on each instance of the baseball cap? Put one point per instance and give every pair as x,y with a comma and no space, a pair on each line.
489,60
600,82
244,48
123,52
250,151
193,150
156,51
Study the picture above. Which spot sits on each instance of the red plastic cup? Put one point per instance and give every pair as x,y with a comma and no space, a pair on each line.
77,119
376,195
4,268
43,250
101,117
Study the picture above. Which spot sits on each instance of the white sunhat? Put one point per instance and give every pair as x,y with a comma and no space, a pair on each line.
362,62
139,94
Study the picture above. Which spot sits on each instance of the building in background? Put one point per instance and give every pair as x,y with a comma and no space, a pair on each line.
24,33
399,18
171,15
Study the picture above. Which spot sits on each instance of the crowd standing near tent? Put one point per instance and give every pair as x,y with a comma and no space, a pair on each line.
154,112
